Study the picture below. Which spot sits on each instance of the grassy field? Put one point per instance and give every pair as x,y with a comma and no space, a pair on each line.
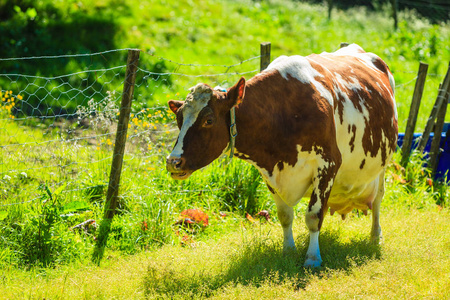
54,171
179,35
246,263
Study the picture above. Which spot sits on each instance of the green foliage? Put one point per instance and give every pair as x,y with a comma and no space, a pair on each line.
413,186
35,230
239,187
42,238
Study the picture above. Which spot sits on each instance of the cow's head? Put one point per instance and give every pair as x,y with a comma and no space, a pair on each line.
204,120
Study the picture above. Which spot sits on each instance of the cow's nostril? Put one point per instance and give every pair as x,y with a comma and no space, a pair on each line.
178,164
175,163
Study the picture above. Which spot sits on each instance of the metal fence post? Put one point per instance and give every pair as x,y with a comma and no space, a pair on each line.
412,119
119,149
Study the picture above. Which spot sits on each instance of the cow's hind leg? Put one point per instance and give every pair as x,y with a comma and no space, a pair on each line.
375,234
286,216
315,213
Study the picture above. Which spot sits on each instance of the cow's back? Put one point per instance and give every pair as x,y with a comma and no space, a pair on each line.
360,89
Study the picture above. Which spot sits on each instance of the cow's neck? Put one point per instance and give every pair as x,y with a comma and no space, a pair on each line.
255,125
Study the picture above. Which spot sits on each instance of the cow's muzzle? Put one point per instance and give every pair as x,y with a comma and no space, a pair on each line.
175,165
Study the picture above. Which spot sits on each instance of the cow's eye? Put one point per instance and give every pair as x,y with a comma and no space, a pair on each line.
208,122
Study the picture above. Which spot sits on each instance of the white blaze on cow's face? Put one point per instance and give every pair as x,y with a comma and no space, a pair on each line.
203,120
187,114
196,100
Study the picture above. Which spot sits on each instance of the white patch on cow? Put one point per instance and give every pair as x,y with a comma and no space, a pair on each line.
355,50
300,68
349,50
196,100
392,84
353,85
315,209
350,113
293,182
313,258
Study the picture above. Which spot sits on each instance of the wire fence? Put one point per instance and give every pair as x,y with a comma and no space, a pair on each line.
58,130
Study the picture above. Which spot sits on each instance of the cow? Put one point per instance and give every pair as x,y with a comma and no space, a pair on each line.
322,126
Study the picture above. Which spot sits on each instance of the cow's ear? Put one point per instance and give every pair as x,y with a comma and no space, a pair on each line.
237,92
174,105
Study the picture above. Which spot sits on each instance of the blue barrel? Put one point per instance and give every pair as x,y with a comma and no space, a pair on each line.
444,157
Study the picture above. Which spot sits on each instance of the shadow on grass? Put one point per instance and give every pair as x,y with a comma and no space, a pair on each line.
259,262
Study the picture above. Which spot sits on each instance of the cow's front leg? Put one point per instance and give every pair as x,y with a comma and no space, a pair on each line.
315,213
286,216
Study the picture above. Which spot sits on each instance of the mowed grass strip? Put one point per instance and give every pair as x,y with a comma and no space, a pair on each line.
246,263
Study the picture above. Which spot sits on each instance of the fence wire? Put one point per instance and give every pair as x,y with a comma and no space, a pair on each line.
58,130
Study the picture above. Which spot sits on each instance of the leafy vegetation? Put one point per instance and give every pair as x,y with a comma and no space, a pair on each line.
54,170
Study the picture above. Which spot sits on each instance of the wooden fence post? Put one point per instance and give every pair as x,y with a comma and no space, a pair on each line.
265,56
394,4
119,149
330,8
435,144
434,111
412,119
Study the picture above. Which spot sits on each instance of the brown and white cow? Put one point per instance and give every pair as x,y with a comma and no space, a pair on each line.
322,126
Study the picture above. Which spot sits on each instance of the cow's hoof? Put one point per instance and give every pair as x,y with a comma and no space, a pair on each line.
376,237
313,262
376,240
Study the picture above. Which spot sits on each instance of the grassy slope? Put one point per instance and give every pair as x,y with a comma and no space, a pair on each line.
226,32
247,264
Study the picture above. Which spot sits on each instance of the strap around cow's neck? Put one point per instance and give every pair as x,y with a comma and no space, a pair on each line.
233,131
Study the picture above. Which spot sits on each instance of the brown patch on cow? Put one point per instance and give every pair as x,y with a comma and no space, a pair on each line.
270,189
352,140
322,189
361,166
280,166
296,115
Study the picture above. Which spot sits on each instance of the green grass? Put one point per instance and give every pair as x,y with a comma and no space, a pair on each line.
54,172
211,32
246,263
